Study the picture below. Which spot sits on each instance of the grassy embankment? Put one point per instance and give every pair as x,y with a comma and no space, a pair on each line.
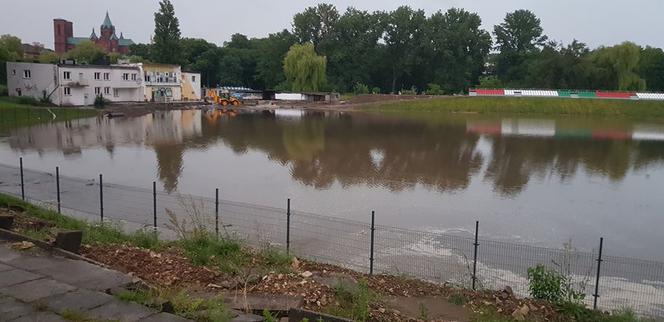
526,106
18,112
230,256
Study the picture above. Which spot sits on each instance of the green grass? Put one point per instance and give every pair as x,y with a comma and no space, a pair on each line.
225,253
276,260
185,305
93,233
536,106
353,303
74,315
18,112
457,299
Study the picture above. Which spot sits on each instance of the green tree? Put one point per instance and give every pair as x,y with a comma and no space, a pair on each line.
519,36
316,25
270,55
48,57
355,53
167,47
651,68
615,67
459,48
87,52
142,50
404,40
10,50
304,69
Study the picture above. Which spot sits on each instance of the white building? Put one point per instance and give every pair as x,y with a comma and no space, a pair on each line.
77,85
191,86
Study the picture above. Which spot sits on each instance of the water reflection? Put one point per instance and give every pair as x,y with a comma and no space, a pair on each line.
356,149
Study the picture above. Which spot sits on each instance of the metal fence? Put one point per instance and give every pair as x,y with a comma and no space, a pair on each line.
359,245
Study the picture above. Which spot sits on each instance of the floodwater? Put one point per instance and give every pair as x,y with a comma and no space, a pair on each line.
533,180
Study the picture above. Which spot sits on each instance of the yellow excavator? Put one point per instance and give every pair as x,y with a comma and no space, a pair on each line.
223,99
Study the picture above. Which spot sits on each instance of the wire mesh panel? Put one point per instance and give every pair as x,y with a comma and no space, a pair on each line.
331,240
624,282
632,283
434,257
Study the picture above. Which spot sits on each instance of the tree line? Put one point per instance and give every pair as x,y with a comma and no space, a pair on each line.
404,50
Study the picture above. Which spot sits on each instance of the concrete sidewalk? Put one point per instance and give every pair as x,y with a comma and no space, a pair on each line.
36,286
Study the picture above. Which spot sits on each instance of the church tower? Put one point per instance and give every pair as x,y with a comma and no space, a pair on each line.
107,30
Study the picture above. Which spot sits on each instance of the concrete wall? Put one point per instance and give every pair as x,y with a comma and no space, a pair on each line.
191,86
41,79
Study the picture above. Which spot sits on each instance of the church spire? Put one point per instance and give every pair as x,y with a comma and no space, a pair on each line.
93,35
107,22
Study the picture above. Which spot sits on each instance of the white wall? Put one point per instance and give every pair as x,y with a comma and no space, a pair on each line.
42,78
289,97
83,84
191,82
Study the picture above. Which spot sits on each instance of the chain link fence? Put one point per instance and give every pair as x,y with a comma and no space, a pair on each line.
624,282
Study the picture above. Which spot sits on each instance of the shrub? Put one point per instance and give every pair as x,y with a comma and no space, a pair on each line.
3,90
550,285
100,101
360,88
354,303
411,91
375,90
27,100
434,89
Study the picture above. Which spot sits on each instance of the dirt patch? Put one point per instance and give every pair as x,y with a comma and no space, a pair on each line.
166,268
429,308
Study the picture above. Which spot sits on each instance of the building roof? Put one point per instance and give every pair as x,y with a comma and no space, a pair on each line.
125,42
107,21
76,40
93,35
114,37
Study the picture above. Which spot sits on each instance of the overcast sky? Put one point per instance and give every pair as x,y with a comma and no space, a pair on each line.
595,22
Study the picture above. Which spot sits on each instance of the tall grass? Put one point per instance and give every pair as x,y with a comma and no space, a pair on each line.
526,105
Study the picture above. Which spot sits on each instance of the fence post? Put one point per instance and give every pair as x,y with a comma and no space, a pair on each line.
101,197
288,226
216,212
477,229
154,205
20,160
57,186
371,256
599,263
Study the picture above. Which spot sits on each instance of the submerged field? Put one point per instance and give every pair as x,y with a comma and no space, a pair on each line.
15,113
523,105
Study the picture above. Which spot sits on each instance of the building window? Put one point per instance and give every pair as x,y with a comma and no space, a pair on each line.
107,76
125,76
97,75
116,92
107,90
97,90
27,73
67,91
19,92
13,71
66,75
133,76
193,78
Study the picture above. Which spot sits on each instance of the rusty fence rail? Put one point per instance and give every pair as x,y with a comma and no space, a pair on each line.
366,246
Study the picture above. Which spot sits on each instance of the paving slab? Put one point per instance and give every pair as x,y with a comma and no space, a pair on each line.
33,262
4,267
11,309
85,275
77,300
7,254
40,317
164,317
16,276
37,289
123,311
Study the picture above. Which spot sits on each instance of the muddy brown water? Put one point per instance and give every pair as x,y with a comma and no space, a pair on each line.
533,180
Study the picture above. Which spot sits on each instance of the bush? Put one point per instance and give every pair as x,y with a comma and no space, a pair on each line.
411,91
375,90
27,100
550,285
100,101
3,90
360,88
434,89
490,82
